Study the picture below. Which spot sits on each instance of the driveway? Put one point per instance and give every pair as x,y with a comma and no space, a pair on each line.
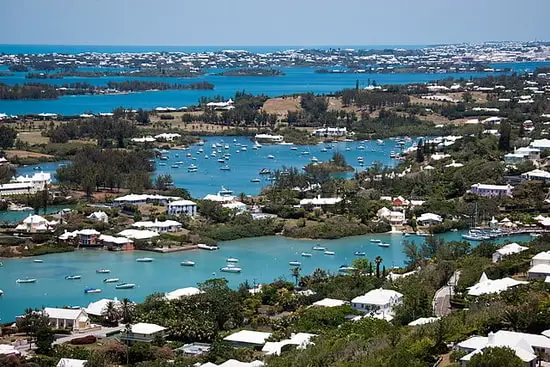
442,300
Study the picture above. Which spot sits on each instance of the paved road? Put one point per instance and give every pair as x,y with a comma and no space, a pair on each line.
442,299
100,334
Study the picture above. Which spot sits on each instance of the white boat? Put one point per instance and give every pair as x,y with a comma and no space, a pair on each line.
225,191
92,290
318,248
359,253
329,252
306,254
125,286
255,180
26,280
244,148
225,168
383,244
379,141
111,280
102,271
73,277
346,268
361,147
187,263
144,259
38,261
204,246
314,159
323,150
1,292
232,260
375,240
295,263
270,157
192,168
221,160
175,166
293,148
230,269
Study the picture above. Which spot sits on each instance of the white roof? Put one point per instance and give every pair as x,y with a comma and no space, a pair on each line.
540,269
98,215
540,143
429,217
12,186
113,239
220,198
70,362
378,297
34,219
424,321
145,328
492,187
8,349
182,292
157,224
181,203
97,308
248,336
320,201
88,232
301,340
234,363
545,255
537,173
488,286
511,248
144,197
63,313
329,302
137,234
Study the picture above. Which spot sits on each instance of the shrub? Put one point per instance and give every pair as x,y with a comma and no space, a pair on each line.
88,339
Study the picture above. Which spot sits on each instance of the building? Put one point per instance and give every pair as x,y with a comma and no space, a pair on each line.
428,219
299,340
140,199
540,144
168,136
36,224
377,301
247,338
491,190
541,258
116,243
236,206
509,249
98,308
159,226
331,131
182,292
488,286
99,217
268,138
137,234
536,174
186,207
319,201
62,318
12,189
88,237
329,302
522,154
233,363
540,271
143,332
423,321
8,350
39,180
70,362
525,345
395,218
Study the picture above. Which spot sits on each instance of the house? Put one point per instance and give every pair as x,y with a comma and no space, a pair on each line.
509,249
8,350
135,199
88,237
233,363
536,174
377,301
540,271
236,206
12,189
36,223
179,207
395,218
541,258
540,144
319,201
488,286
194,349
424,321
116,243
268,138
159,226
167,136
247,338
62,318
331,131
525,345
99,217
39,180
182,292
70,362
522,154
300,340
137,234
429,219
98,308
329,302
491,190
143,332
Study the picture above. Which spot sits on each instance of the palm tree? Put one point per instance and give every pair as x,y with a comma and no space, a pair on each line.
378,261
295,273
111,313
127,310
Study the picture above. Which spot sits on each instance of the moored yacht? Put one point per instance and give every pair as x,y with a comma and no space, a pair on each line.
26,280
73,277
102,271
187,263
231,269
144,259
295,263
306,254
204,246
318,248
92,290
125,286
111,280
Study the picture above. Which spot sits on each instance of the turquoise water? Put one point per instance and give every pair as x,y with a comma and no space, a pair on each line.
296,80
262,259
18,216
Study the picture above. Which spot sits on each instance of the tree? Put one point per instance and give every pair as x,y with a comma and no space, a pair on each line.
338,159
361,266
505,131
127,310
378,260
142,116
420,152
496,356
7,137
162,182
31,322
44,340
295,271
111,313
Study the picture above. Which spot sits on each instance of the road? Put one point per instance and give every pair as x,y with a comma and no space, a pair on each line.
100,334
442,300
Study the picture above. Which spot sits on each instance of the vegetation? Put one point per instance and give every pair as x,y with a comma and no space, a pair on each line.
251,72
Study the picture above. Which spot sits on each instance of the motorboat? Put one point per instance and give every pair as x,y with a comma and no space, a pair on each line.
232,260
73,277
383,244
375,240
361,147
111,280
221,160
314,159
163,158
293,148
92,290
175,166
244,148
192,168
125,286
102,271
1,292
26,280
265,171
225,191
37,168
231,269
306,254
346,268
144,259
329,253
359,253
305,152
295,263
323,150
318,248
270,157
187,263
225,168
204,246
38,261
379,141
255,180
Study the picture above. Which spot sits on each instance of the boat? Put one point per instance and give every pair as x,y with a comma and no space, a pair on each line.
346,268
192,168
102,271
379,141
323,150
306,254
188,155
535,235
144,259
225,191
329,252
163,158
221,160
125,286
454,229
295,263
175,166
270,157
244,148
255,180
73,277
314,159
318,248
305,152
265,171
293,148
187,263
38,261
232,260
162,164
383,244
111,280
1,292
204,246
359,253
225,168
92,290
26,280
37,168
230,269
375,240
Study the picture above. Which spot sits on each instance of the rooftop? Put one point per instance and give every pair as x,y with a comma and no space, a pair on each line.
248,336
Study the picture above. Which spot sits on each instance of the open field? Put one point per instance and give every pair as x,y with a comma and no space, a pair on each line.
282,105
25,154
33,137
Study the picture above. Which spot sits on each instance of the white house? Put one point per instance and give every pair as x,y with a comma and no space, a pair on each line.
540,271
139,199
319,201
71,362
268,138
377,301
8,350
424,321
143,332
99,216
62,318
247,338
167,136
329,302
300,340
186,207
182,292
525,345
394,217
429,219
509,249
233,363
491,190
137,234
98,308
39,180
159,226
236,206
488,286
541,258
12,189
331,131
540,144
536,174
36,223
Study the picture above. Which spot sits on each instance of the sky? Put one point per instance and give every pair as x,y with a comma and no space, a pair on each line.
269,22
